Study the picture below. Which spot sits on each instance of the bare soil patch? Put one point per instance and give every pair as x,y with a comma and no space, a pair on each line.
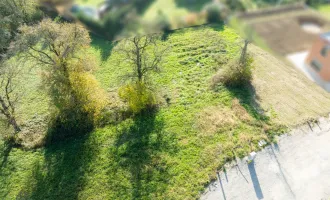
286,32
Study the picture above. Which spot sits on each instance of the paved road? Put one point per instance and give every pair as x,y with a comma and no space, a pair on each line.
298,167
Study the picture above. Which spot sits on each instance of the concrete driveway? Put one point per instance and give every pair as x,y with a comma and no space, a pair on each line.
298,167
298,60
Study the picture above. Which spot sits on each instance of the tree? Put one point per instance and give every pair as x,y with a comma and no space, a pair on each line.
143,54
8,95
12,14
237,72
243,55
60,49
216,12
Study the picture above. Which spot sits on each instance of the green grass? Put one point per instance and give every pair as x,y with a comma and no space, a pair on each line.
157,155
89,2
324,10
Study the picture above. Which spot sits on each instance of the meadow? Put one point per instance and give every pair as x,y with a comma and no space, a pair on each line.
168,153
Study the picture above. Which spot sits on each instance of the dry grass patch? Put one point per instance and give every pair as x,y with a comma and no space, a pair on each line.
214,118
240,111
286,91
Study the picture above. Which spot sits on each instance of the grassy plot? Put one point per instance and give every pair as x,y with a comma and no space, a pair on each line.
324,10
169,153
282,88
166,154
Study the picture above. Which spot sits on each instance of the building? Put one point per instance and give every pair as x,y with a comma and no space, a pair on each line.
318,61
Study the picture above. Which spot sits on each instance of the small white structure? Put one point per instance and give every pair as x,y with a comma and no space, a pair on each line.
251,156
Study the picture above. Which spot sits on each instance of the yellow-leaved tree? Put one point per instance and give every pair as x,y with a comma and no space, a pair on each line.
61,50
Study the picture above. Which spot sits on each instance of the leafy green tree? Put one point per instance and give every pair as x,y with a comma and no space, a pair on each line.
60,49
13,13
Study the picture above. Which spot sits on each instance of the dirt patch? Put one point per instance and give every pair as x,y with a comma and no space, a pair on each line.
214,118
284,33
240,111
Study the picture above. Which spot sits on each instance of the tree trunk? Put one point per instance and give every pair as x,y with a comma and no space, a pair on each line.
138,65
244,51
15,125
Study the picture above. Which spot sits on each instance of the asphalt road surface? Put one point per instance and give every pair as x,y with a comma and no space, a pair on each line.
298,167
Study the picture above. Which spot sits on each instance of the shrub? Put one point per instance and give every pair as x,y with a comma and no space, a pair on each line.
162,23
234,73
110,25
79,103
138,97
235,5
216,12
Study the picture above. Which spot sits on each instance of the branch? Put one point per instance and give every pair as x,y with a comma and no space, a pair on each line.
43,53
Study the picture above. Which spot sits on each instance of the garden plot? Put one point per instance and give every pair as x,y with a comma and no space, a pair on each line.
290,31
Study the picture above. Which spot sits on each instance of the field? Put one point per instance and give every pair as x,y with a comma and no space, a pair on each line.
270,27
173,152
324,10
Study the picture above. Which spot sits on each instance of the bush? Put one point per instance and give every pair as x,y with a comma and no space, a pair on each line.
79,104
234,73
316,2
110,25
138,97
162,23
235,5
216,12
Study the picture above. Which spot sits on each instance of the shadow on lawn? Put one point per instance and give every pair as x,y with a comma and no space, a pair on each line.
249,99
5,151
61,176
104,46
138,149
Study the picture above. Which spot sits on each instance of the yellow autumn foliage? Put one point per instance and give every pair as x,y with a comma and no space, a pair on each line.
138,96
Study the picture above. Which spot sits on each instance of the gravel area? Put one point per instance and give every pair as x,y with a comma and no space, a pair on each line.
297,167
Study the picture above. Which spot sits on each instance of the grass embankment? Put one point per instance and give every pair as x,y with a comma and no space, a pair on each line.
168,154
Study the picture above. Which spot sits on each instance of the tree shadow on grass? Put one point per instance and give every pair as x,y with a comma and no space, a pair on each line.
249,99
61,175
103,45
142,5
138,150
5,151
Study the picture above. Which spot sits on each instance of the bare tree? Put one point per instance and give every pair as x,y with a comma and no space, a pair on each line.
8,96
143,53
244,52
